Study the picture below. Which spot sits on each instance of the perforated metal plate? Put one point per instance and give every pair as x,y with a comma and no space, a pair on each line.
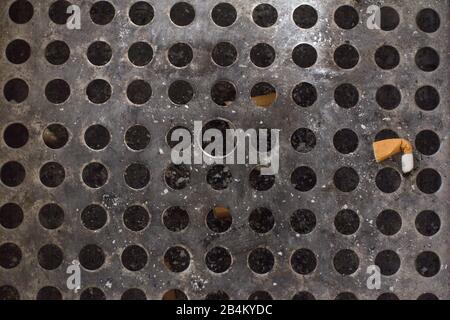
322,225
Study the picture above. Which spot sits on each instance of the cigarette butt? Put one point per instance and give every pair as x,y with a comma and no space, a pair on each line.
385,149
265,100
221,212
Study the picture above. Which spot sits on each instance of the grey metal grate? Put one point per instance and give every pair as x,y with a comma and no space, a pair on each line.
85,165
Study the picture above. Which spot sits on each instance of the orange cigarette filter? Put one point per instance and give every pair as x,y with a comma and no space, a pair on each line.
385,149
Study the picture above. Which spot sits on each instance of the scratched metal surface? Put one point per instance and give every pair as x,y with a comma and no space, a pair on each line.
159,115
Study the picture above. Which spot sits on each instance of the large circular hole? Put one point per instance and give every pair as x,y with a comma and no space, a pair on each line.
52,174
385,134
133,294
218,260
261,296
427,142
137,138
262,55
224,15
95,175
49,293
136,218
91,257
388,97
58,11
97,137
208,137
303,179
181,92
389,222
16,91
428,20
102,12
303,140
265,15
177,259
428,264
345,141
305,16
259,181
389,18
99,53
175,294
346,96
11,215
303,261
346,17
57,91
94,217
219,177
346,296
428,223
223,93
304,55
139,92
137,176
180,55
134,258
388,180
92,294
346,222
346,179
429,181
303,221
261,220
219,295
224,54
141,13
388,261
18,51
263,94
57,52
219,219
346,262
51,216
176,219
427,98
50,257
12,174
99,91
177,177
427,59
55,136
9,293
21,11
387,57
10,255
346,56
427,296
182,14
140,54
304,94
388,296
303,295
261,260
16,135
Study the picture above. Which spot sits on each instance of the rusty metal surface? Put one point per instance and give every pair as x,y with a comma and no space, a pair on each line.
324,118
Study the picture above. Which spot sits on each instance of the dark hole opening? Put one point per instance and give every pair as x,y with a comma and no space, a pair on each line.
51,216
177,259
